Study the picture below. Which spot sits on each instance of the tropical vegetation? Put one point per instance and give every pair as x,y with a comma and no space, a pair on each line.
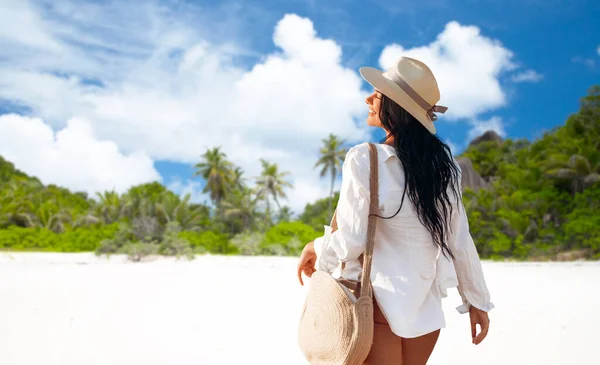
541,201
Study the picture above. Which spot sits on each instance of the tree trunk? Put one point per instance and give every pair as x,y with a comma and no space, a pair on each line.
267,215
221,217
277,202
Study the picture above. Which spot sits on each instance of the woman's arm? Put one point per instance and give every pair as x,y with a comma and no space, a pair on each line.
348,242
471,282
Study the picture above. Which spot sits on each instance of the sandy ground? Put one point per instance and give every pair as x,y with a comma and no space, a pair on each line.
79,309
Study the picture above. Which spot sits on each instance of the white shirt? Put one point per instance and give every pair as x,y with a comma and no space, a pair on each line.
409,274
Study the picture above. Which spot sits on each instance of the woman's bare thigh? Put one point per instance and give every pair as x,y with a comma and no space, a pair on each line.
416,351
389,349
386,348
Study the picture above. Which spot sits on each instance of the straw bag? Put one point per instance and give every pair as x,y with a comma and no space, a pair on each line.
336,327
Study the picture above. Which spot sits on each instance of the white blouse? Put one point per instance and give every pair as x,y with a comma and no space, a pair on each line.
409,274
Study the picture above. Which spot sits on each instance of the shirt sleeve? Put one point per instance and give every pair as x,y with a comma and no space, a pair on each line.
471,282
349,241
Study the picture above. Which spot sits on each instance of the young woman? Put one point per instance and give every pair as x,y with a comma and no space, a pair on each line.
422,243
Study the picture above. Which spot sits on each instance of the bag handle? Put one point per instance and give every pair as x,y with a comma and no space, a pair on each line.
367,257
365,284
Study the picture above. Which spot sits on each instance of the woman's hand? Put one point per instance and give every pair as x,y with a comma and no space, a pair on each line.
479,317
307,262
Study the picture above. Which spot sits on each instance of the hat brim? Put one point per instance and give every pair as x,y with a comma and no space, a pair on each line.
390,89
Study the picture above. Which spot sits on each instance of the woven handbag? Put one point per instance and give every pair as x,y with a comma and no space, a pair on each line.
336,326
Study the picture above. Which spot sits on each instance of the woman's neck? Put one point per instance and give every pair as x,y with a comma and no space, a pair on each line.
389,139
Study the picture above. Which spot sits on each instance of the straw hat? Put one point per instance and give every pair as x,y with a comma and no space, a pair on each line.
411,84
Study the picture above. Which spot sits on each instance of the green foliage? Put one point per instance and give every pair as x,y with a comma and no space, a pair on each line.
9,172
137,250
217,172
331,160
173,245
317,214
285,214
248,243
543,200
544,194
78,239
115,244
288,238
583,221
271,184
153,192
239,207
208,241
136,246
85,238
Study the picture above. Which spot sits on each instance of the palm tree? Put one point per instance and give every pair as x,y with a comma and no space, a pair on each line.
27,203
578,170
237,179
285,214
52,217
332,157
173,209
47,215
15,203
111,207
269,184
216,171
241,204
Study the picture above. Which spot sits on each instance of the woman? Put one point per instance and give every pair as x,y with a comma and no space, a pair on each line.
422,243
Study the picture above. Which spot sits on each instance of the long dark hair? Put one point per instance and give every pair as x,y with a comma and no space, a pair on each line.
429,170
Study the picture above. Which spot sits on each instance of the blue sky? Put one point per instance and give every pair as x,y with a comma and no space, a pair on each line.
557,39
103,94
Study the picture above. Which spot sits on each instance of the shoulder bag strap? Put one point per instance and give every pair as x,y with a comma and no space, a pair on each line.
365,284
367,258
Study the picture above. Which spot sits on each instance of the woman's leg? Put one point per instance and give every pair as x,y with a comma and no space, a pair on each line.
416,351
387,347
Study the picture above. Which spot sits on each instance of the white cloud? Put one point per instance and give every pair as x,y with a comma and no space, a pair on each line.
150,81
307,191
20,25
527,76
586,61
598,50
478,127
467,66
72,157
150,78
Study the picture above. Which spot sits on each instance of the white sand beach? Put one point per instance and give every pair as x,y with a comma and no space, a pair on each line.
82,310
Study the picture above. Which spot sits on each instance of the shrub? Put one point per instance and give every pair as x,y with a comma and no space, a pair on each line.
80,239
248,243
173,245
136,251
288,238
114,244
208,241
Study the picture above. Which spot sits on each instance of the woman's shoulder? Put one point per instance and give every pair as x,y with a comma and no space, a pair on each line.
361,152
358,153
363,148
360,148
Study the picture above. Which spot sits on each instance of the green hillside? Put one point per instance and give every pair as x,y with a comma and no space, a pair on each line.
545,195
